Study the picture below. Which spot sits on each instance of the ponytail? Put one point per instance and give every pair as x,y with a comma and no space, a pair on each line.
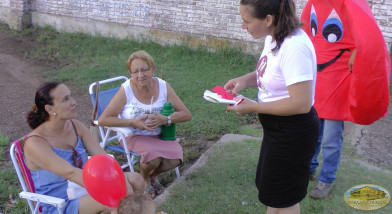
36,118
286,22
38,115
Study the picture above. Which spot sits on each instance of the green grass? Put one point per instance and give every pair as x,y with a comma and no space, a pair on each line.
84,59
9,186
225,184
221,185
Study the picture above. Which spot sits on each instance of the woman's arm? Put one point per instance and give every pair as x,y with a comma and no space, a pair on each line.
40,155
181,113
299,102
89,142
237,84
352,60
110,115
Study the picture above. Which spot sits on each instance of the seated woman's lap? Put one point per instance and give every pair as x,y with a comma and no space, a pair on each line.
152,147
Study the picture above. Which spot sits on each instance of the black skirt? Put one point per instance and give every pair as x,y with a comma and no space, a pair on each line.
288,146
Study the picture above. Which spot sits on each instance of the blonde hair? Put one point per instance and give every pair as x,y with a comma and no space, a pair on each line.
135,204
143,56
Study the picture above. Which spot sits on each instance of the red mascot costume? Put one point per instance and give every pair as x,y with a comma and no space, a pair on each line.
336,28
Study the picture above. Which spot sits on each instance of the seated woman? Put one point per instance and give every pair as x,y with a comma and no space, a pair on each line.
145,94
55,151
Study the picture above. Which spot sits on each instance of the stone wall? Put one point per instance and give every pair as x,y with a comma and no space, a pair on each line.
210,23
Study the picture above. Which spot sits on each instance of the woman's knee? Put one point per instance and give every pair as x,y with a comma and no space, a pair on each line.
135,180
153,164
156,162
134,177
89,205
169,164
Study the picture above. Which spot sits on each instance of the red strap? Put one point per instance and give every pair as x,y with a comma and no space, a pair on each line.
25,171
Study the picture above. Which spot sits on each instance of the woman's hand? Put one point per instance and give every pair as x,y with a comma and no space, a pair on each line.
155,120
140,123
233,86
242,108
351,60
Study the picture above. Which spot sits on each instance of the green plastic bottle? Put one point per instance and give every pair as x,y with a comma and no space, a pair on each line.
168,132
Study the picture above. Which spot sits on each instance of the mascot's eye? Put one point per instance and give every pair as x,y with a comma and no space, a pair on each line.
313,21
332,28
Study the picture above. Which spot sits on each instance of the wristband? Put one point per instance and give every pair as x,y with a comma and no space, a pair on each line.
168,120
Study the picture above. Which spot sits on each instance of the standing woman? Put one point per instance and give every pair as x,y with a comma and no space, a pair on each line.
285,76
56,150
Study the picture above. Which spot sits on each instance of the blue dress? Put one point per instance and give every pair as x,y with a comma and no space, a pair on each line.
51,184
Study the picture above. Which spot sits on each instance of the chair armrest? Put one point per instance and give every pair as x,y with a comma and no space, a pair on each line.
123,130
57,202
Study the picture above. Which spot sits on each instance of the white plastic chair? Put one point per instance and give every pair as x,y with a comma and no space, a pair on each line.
106,133
33,199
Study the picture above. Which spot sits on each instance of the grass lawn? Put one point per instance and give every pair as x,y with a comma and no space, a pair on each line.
9,185
225,184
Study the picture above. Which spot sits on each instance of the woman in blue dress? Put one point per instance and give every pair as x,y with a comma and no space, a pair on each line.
57,148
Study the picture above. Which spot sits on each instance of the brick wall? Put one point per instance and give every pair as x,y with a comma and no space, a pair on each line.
208,21
217,18
5,3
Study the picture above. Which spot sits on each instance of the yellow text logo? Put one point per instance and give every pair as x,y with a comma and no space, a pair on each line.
367,197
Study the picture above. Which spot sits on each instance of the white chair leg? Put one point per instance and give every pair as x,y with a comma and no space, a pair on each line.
130,160
37,207
59,210
177,172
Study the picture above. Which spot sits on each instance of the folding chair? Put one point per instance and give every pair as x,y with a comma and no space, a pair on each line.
33,199
106,133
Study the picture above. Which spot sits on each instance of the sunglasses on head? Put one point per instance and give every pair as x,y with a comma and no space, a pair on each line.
76,157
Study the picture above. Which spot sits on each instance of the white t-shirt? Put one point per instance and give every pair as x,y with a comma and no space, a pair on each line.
134,108
294,62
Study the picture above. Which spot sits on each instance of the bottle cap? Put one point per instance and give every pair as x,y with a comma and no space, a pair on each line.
167,109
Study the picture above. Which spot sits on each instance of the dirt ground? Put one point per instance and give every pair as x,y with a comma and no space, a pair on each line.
19,79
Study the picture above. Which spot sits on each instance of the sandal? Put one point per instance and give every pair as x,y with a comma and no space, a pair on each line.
158,188
150,191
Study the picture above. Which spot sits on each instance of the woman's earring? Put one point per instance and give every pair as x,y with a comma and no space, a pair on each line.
54,113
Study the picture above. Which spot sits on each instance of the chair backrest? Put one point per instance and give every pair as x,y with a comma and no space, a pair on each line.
23,173
104,96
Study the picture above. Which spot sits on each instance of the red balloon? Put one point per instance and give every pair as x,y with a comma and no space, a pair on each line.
104,180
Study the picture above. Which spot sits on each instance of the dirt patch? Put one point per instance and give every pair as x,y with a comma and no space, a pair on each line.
19,78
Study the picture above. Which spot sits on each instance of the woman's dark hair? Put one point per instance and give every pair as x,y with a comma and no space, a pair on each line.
38,114
286,20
